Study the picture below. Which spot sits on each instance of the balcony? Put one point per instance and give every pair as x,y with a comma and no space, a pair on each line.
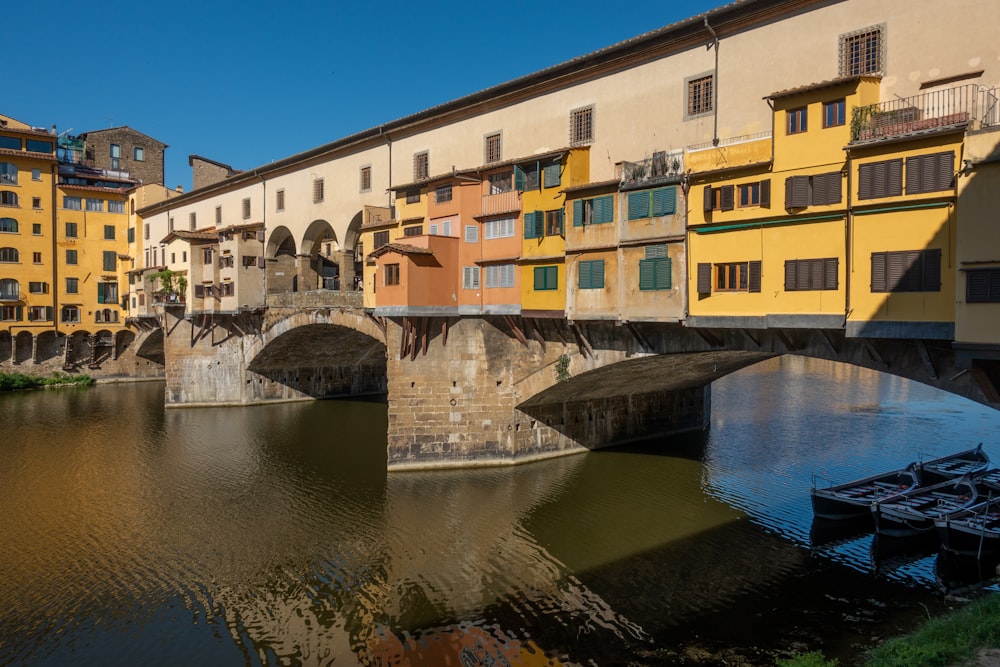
10,297
501,202
662,167
969,106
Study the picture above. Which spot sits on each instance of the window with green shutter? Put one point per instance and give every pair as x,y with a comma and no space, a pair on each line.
654,270
534,222
552,175
596,211
664,201
546,278
110,258
591,274
638,205
651,203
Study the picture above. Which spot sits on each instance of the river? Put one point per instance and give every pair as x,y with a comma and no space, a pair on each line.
272,535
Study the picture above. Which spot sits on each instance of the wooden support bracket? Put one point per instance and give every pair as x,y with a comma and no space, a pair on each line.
873,352
709,337
643,343
926,358
752,339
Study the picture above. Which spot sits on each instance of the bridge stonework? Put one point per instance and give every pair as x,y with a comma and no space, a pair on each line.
467,391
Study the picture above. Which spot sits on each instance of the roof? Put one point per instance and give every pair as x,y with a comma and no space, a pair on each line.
822,85
119,129
223,165
599,185
97,188
51,157
401,248
726,20
191,236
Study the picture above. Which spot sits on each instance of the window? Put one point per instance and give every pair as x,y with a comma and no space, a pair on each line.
596,211
36,203
10,313
797,120
39,313
907,271
815,190
73,203
36,174
229,289
500,228
861,51
412,230
95,205
492,148
737,277
499,275
116,155
413,196
110,260
69,314
472,233
9,255
279,202
116,206
107,293
246,207
749,195
553,175
170,224
380,239
811,274
930,173
546,278
8,198
719,198
8,173
699,95
36,258
834,113
654,270
365,178
145,231
72,286
527,178
225,262
8,225
581,126
590,274
109,232
470,277
534,225
12,143
554,222
318,190
10,290
501,182
442,194
392,274
445,228
139,154
36,228
71,230
982,286
37,146
192,220
651,203
880,179
206,256
130,235
106,315
421,166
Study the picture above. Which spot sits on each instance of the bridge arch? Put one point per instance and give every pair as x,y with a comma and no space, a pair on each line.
319,257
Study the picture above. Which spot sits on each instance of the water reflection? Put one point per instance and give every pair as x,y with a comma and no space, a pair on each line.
272,535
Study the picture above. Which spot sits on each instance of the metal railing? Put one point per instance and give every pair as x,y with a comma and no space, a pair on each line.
730,141
661,165
969,105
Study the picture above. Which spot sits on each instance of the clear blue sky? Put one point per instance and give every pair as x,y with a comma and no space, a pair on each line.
248,83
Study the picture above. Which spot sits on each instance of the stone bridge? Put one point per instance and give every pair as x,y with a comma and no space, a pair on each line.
505,389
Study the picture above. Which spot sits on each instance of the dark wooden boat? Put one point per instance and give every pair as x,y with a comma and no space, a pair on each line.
913,512
953,466
853,500
974,531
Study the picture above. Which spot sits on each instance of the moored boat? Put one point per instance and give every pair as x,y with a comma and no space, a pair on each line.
953,466
853,500
972,532
913,512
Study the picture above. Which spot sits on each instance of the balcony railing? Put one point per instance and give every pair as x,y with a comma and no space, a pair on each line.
970,105
10,297
501,202
661,166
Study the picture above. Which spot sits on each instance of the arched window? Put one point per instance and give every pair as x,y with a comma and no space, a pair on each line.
9,289
8,255
8,173
8,198
8,225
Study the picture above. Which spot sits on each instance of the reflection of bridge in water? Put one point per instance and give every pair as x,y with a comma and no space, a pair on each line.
505,389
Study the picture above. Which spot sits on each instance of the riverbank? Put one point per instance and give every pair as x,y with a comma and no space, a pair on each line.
969,635
20,381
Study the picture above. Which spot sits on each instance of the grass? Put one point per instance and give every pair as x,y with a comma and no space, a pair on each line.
939,642
16,381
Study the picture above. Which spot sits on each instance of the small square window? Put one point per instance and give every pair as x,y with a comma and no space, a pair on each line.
36,174
834,113
861,52
246,205
109,232
492,148
279,200
581,126
700,98
36,202
421,166
797,120
36,228
366,178
318,191
139,153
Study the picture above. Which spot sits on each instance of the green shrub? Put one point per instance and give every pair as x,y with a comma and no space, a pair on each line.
814,659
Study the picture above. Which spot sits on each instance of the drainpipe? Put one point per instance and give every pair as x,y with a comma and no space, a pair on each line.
715,85
55,249
848,240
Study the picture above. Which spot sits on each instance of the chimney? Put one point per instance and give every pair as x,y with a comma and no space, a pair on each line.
179,189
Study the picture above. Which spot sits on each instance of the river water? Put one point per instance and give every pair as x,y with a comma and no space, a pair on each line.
272,535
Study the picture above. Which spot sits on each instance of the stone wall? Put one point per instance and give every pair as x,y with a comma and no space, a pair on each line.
46,354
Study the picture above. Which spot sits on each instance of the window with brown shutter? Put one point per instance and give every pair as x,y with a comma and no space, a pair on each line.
880,179
811,274
933,172
796,192
704,278
906,271
982,286
754,282
826,188
721,198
